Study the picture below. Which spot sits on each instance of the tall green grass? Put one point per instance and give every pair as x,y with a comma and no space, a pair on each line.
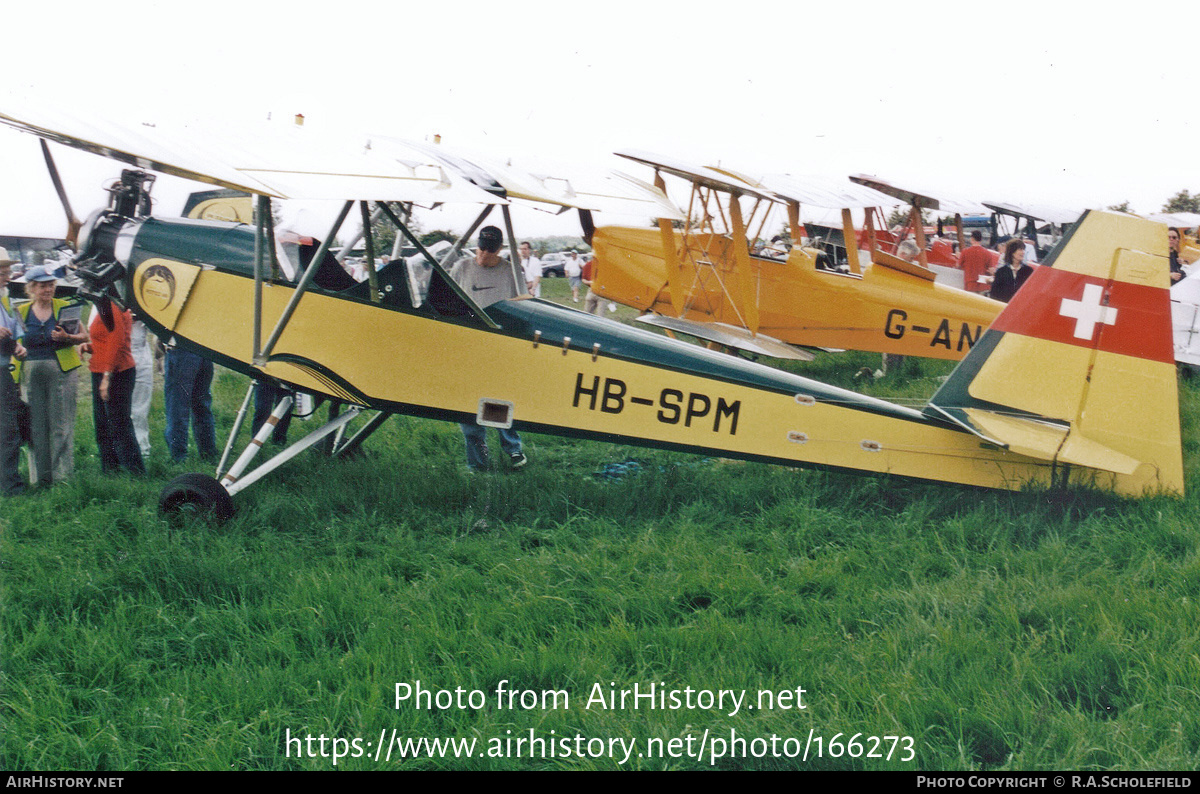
999,630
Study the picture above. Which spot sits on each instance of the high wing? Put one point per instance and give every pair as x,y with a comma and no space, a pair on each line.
276,160
555,185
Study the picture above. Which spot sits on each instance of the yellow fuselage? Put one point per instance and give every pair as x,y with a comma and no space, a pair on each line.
882,310
567,372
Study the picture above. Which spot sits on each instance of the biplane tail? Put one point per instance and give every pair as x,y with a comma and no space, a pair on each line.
1079,369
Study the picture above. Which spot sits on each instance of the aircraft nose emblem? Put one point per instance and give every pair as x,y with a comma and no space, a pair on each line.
1088,311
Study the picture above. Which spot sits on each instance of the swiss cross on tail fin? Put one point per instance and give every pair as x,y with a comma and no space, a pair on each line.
1079,368
1088,311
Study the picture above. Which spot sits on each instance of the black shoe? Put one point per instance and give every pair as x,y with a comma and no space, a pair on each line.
518,460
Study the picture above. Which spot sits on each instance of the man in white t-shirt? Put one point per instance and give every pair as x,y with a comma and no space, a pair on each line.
572,269
532,267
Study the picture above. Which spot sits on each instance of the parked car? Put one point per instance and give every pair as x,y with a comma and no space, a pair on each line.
554,265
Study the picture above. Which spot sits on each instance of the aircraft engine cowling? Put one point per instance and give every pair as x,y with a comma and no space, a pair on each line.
97,263
106,231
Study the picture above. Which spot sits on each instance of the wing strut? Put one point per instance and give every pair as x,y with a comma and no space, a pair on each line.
412,238
309,272
851,241
747,278
348,247
369,245
670,253
264,238
513,252
73,224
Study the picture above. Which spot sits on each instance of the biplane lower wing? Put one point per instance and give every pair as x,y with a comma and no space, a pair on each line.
884,259
729,336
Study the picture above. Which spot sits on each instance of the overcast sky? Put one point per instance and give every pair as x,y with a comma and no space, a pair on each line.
1008,101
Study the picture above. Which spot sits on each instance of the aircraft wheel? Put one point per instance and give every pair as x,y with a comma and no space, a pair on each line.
195,494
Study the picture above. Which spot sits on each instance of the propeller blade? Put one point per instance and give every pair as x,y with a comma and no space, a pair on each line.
73,223
103,303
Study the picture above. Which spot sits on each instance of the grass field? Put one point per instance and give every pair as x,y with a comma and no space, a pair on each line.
997,630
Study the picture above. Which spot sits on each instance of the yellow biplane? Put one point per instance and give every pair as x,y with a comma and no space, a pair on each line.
707,280
1074,382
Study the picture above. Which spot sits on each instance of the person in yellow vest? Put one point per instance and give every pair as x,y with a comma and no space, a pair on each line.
50,377
11,349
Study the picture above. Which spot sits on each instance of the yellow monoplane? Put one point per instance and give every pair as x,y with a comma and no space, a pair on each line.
1073,383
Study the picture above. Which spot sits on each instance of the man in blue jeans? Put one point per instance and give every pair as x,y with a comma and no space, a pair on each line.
187,392
488,278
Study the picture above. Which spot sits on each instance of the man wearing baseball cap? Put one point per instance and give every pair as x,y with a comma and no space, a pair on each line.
11,331
488,278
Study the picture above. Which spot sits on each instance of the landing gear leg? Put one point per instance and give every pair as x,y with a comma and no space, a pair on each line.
200,494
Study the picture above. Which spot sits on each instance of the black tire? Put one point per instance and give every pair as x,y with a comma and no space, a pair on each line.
195,494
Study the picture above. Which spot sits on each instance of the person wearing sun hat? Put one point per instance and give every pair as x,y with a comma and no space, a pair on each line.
50,376
11,331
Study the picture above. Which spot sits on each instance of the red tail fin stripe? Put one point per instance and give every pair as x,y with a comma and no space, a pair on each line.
1114,316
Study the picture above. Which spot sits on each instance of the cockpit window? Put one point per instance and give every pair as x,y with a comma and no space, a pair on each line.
287,251
420,274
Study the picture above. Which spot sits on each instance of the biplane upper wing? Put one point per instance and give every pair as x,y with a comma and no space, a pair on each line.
704,176
278,160
922,198
826,192
919,199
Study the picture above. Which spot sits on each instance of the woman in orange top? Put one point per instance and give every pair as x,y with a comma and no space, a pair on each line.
113,375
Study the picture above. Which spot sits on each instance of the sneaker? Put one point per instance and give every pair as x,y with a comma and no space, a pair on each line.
518,460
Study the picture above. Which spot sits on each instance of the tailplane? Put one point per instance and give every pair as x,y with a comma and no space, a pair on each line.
1079,369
